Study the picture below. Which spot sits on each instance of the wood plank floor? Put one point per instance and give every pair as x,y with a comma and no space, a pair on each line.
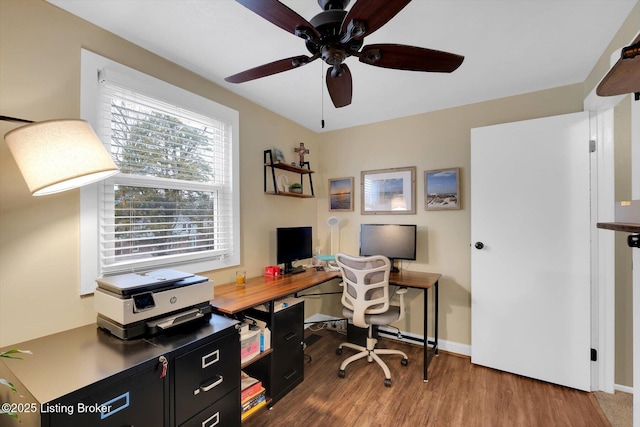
457,394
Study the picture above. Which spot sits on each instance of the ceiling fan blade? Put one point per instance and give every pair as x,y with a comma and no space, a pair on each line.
281,15
271,68
403,57
374,13
340,87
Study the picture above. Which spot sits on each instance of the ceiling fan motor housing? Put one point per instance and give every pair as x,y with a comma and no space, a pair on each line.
329,23
333,4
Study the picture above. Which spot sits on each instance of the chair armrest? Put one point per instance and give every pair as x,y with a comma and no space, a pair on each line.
401,291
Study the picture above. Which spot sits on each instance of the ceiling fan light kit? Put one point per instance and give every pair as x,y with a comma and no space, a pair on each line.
335,34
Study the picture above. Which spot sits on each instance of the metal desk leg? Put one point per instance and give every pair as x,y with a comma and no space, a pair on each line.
434,349
435,344
425,361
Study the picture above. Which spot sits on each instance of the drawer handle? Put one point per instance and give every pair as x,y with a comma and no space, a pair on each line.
290,374
214,356
215,418
290,336
124,405
206,388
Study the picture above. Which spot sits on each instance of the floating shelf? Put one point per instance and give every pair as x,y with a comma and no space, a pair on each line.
620,226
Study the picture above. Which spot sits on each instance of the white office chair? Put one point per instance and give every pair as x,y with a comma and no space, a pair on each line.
365,297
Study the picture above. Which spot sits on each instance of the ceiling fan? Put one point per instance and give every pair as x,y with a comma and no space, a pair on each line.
336,34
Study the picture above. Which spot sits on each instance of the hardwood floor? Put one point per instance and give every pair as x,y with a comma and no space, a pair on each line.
457,394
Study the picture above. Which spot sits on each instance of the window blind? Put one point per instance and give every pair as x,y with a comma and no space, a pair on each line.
172,201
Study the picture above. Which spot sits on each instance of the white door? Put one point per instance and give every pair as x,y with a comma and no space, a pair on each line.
530,259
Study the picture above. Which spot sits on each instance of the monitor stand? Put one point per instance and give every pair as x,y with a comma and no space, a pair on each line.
290,269
394,269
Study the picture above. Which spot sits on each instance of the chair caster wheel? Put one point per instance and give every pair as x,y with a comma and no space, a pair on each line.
387,382
404,362
341,373
338,351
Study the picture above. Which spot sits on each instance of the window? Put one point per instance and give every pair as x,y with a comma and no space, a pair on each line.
175,201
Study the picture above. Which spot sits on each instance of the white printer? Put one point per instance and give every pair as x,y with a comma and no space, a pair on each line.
142,304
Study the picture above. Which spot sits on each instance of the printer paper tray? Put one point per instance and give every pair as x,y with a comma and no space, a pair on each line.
145,328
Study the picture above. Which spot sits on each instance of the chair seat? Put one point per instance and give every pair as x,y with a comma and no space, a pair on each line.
390,316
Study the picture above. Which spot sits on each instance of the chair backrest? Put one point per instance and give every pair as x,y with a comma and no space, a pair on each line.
366,285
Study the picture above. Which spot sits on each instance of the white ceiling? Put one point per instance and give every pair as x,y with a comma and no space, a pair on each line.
510,47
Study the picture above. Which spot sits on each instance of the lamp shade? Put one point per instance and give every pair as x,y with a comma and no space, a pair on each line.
59,155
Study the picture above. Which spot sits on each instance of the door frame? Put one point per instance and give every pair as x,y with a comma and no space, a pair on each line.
601,124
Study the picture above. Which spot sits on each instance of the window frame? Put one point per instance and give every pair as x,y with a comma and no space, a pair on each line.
91,66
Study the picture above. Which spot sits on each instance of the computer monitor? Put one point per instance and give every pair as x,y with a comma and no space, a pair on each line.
293,244
395,241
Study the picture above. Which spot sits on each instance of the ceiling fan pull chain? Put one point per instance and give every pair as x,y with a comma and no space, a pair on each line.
322,94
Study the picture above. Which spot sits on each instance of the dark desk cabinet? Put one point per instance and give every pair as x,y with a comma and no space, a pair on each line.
288,352
284,369
87,377
203,378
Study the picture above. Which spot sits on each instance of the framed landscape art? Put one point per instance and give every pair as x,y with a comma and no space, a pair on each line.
341,194
442,189
389,191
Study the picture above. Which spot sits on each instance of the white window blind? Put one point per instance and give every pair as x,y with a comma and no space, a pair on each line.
172,202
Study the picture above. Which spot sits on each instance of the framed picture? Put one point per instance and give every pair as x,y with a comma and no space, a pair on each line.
388,191
278,155
341,194
442,189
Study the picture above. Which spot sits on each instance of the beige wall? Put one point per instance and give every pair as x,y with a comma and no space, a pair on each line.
40,79
430,141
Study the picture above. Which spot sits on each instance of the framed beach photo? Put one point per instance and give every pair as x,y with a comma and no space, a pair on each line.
442,189
341,194
388,191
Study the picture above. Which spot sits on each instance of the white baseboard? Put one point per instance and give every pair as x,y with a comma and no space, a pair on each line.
319,317
623,388
444,345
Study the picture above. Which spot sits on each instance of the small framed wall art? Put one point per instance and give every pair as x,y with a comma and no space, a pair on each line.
388,191
341,194
442,189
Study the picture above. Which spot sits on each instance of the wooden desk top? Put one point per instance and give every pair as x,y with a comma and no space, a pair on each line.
231,298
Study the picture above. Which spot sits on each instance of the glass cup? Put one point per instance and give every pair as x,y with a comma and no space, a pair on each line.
240,277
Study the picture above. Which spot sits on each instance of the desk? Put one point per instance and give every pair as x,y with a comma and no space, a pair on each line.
231,298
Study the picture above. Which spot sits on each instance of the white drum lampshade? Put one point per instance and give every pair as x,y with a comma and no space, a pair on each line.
59,155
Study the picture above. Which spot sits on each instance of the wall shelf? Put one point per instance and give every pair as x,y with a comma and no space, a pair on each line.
303,171
620,226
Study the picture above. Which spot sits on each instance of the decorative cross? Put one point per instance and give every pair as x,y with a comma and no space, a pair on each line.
301,152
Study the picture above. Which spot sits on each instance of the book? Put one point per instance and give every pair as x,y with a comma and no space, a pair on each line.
253,400
250,391
253,410
246,380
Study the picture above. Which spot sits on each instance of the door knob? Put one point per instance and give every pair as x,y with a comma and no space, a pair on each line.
479,245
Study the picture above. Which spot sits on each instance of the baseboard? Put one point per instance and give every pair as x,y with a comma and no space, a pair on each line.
317,318
623,388
444,345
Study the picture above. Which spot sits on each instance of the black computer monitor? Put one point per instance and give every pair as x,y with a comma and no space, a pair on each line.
395,241
293,244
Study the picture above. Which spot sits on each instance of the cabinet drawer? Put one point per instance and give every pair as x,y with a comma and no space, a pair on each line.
135,400
287,373
224,413
206,374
